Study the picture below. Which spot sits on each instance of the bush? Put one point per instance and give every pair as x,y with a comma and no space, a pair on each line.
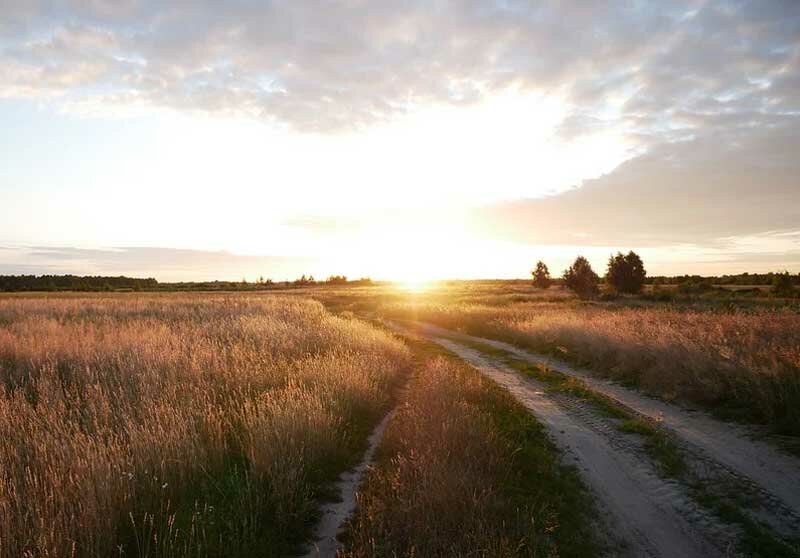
626,273
581,278
541,276
693,287
782,285
659,294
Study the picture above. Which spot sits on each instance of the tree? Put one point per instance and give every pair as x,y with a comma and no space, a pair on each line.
581,278
782,285
626,273
541,276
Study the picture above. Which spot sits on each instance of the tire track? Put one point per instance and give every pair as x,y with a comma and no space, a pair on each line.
648,514
724,450
334,514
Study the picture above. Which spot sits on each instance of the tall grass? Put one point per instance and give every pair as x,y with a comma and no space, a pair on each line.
191,425
464,470
740,363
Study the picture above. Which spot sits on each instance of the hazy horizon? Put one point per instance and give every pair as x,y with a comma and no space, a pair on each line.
398,141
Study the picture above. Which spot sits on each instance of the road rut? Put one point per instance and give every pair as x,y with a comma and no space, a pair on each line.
652,516
775,474
335,514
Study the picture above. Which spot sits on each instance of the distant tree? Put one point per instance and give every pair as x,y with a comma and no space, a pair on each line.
581,278
541,276
626,273
782,285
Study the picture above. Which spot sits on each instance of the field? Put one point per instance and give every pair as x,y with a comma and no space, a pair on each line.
147,425
178,426
739,361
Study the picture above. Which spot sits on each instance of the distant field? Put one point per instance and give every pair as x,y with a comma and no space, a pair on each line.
743,361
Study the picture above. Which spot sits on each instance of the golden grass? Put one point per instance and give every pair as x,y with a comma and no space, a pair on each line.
464,470
178,425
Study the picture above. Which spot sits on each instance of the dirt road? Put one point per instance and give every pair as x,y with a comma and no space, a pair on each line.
734,448
653,515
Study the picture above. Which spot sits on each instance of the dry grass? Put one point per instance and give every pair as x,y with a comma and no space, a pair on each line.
146,425
464,470
745,363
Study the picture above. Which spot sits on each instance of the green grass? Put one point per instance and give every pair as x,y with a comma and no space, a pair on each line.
537,472
554,380
659,445
756,541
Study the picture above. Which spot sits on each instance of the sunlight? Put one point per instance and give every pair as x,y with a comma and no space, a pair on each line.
417,285
504,146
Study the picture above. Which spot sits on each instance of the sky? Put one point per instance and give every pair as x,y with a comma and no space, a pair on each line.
401,140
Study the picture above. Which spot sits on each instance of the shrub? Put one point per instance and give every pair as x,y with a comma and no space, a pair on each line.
782,285
541,276
581,278
696,287
626,273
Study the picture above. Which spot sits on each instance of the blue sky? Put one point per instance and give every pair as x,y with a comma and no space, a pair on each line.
397,139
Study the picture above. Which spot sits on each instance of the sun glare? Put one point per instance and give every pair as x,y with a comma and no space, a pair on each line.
415,285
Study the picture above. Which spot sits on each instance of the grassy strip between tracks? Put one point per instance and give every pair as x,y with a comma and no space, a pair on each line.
727,503
464,469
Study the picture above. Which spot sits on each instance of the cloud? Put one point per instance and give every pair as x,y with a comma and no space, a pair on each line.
722,185
352,63
323,224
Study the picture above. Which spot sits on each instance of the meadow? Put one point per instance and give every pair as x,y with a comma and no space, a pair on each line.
740,359
212,424
175,425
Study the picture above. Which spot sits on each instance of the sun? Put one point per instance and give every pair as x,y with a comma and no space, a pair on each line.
415,285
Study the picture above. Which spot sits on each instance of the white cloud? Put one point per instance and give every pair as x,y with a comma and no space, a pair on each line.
353,63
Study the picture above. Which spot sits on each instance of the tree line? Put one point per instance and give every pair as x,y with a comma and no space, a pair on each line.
738,279
625,274
12,283
22,283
